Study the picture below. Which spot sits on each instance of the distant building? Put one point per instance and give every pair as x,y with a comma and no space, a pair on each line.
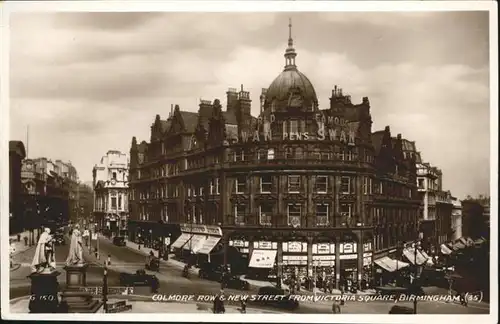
476,217
436,206
17,153
110,181
48,192
456,220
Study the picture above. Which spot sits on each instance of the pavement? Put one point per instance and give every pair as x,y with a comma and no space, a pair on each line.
20,305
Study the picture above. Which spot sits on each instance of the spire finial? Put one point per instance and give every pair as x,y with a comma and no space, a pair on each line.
290,51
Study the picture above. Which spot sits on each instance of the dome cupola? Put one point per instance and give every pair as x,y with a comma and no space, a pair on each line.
291,85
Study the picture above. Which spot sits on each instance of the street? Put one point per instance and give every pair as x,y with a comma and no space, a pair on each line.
125,259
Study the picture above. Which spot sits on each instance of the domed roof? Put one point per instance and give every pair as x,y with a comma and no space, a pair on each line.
291,79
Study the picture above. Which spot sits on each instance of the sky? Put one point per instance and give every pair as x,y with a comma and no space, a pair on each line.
85,83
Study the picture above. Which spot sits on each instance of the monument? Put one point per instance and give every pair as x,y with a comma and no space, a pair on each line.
75,299
44,285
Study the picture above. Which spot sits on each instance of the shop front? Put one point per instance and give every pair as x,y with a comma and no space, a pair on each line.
367,277
348,259
323,261
294,259
243,248
262,265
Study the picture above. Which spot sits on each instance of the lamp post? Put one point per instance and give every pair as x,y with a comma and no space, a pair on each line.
415,279
105,289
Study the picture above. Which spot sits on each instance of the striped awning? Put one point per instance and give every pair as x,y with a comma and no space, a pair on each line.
390,265
181,240
415,256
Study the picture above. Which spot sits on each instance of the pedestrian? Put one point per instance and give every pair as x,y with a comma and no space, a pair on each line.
244,304
463,299
25,241
330,285
336,307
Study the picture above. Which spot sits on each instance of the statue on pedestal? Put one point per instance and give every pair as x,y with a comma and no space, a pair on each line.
75,256
44,260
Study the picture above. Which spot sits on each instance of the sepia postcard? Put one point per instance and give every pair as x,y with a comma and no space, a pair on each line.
249,161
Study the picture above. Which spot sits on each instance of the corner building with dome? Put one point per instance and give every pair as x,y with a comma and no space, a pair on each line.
298,189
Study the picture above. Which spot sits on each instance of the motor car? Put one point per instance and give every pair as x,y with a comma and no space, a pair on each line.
397,309
152,264
285,302
119,241
214,272
139,279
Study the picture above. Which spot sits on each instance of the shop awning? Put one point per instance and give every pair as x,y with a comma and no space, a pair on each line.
389,264
445,249
417,258
181,240
207,245
263,259
479,241
458,245
195,241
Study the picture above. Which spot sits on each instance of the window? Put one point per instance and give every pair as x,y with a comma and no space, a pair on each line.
240,185
340,155
294,126
294,183
239,214
321,184
114,175
421,183
217,185
239,155
288,153
325,156
349,155
165,213
201,191
299,153
321,214
294,212
120,202
316,155
365,185
265,212
266,184
346,213
211,187
345,185
113,202
270,154
262,154
189,191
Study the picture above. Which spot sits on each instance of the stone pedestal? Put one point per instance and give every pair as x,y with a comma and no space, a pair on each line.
76,276
74,298
44,290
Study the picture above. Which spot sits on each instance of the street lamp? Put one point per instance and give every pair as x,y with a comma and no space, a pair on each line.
105,289
415,280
